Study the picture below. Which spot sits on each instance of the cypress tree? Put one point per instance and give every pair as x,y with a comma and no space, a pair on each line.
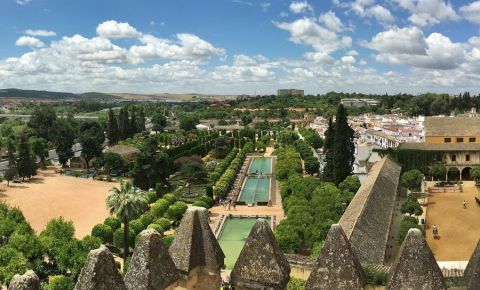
11,171
328,151
141,120
133,122
343,148
113,132
124,124
26,163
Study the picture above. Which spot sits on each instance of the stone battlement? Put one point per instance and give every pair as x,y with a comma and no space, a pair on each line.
195,260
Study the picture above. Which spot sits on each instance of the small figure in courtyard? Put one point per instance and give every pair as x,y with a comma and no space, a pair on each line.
435,231
464,204
229,204
234,205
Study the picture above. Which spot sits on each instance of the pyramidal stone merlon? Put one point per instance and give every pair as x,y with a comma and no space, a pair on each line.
337,266
472,271
195,244
100,272
261,264
415,266
27,281
151,267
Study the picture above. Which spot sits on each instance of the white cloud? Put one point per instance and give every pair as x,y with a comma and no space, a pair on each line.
265,6
408,46
308,31
428,12
471,12
115,30
29,41
368,8
348,60
23,2
44,33
300,7
331,21
409,40
187,46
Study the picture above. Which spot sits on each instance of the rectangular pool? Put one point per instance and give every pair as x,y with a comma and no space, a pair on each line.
261,165
234,233
255,189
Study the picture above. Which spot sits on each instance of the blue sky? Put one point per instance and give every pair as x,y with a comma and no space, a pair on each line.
240,46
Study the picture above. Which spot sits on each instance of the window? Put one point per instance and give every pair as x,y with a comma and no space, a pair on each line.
467,157
447,140
459,140
472,139
454,157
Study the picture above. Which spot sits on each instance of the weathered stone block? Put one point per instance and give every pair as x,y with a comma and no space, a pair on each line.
27,281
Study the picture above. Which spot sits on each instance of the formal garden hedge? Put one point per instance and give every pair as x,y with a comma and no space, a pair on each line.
223,165
228,177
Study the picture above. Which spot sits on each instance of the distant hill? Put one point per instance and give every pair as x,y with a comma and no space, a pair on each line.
47,95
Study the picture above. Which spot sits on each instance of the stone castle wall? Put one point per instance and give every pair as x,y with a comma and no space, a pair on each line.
195,260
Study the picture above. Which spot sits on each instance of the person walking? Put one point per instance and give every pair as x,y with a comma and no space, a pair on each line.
464,204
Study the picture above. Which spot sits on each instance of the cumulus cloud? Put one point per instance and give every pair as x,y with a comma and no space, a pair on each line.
41,33
22,2
471,12
116,30
331,21
408,46
187,46
368,9
29,41
300,7
428,12
307,31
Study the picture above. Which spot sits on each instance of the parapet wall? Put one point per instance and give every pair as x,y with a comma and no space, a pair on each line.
195,260
368,218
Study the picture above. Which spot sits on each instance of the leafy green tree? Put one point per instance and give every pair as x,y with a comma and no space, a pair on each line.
350,184
475,172
91,139
193,171
141,119
189,121
112,162
103,232
287,137
113,132
11,171
344,148
126,203
311,165
11,262
159,121
246,119
438,171
133,121
26,165
412,179
407,223
151,167
42,121
412,206
39,147
64,137
159,208
222,147
328,151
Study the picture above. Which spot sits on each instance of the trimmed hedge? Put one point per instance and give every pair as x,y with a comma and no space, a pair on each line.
118,238
159,208
103,232
223,184
170,198
156,227
137,226
200,204
164,223
113,222
223,165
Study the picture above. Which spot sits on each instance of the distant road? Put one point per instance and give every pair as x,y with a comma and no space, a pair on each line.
52,155
14,116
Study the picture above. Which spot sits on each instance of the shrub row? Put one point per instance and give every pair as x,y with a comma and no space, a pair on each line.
223,184
223,165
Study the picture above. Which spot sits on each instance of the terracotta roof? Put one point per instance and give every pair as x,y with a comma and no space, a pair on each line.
452,126
441,146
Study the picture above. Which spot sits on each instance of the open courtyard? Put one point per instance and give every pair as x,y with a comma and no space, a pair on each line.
458,227
49,195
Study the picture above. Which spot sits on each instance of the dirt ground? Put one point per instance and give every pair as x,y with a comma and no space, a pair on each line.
50,195
458,228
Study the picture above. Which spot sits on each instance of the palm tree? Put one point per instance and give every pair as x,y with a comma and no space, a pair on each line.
127,203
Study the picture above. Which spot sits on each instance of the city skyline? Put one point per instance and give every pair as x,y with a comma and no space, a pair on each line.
240,47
